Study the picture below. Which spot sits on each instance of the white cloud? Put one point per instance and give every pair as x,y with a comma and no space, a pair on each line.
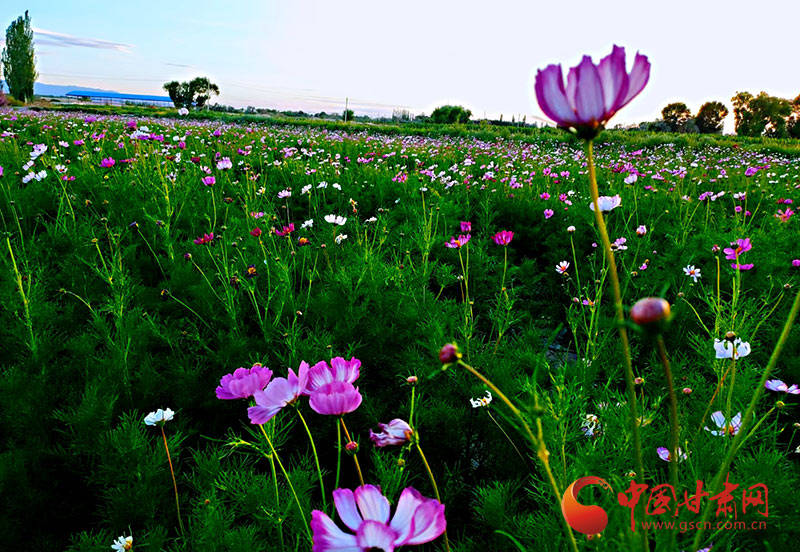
44,36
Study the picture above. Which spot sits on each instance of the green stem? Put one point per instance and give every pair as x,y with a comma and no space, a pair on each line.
316,459
355,454
538,444
620,318
174,483
740,435
288,480
277,496
674,457
433,484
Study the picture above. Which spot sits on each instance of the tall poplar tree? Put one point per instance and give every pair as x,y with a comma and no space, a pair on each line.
18,59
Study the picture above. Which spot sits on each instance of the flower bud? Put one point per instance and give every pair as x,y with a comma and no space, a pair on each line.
351,446
638,380
449,354
730,336
651,313
412,380
687,390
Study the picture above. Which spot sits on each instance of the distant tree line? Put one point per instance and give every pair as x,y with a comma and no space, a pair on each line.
766,115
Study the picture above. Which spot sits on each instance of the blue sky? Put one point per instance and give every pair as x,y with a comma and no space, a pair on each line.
414,54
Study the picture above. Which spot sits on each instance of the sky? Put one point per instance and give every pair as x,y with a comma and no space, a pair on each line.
312,54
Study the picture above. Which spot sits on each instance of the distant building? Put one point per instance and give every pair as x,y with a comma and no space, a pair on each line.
116,98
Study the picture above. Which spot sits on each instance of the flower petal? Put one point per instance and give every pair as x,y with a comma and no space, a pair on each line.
346,506
402,522
718,418
614,78
428,522
374,535
589,99
328,537
551,96
637,79
372,504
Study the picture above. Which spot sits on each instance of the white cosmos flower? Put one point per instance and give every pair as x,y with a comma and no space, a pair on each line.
307,224
631,178
340,238
725,348
562,267
692,272
335,219
159,417
122,544
482,401
183,111
607,203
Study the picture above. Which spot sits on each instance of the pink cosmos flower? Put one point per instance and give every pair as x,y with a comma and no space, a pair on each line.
107,162
796,263
731,254
784,215
335,399
466,227
255,232
642,230
548,213
725,428
243,382
458,243
503,237
593,94
396,432
366,512
339,369
779,386
209,180
279,393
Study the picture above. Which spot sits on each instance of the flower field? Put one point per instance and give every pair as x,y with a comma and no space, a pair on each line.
312,307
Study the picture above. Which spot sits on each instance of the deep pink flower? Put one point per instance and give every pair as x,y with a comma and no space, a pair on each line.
503,237
396,432
466,227
593,94
335,398
255,232
285,231
107,162
204,239
366,512
339,369
209,180
796,263
548,213
243,382
279,393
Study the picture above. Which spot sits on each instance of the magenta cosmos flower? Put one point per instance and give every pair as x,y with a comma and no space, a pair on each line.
339,369
279,393
243,382
366,512
396,432
335,399
737,248
593,94
503,237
